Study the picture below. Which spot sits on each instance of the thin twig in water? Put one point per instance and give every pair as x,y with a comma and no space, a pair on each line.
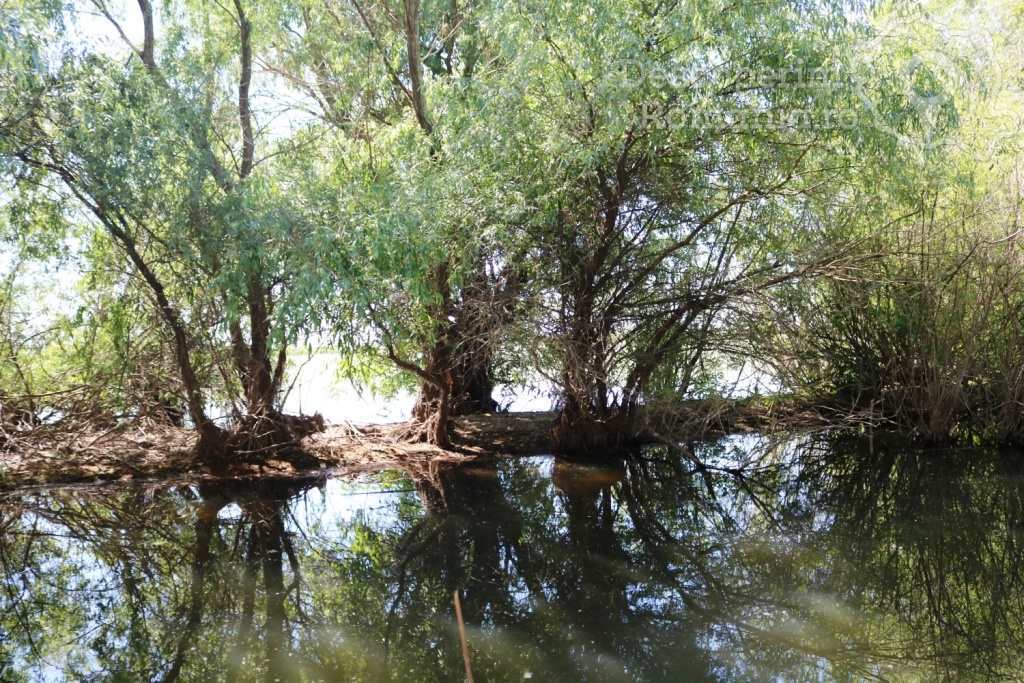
462,637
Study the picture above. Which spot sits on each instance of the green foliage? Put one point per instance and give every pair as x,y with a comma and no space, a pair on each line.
123,162
926,333
667,181
612,196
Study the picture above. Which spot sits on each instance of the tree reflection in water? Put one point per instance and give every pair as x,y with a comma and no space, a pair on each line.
820,561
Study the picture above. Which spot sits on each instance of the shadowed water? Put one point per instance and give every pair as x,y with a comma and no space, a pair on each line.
800,559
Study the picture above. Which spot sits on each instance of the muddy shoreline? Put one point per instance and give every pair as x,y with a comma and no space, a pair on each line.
139,452
136,452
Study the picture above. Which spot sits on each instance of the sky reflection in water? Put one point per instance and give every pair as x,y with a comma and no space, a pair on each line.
821,560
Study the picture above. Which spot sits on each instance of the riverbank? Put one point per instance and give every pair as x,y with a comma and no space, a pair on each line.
131,452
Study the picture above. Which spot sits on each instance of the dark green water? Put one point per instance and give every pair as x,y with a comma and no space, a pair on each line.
822,561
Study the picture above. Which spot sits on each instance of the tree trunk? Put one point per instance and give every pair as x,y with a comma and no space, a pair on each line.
475,398
470,383
588,424
260,389
462,357
471,364
576,431
432,411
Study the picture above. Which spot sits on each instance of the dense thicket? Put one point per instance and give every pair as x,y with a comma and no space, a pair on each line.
614,201
926,335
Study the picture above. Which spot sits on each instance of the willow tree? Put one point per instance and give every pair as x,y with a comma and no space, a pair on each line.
150,144
678,159
423,278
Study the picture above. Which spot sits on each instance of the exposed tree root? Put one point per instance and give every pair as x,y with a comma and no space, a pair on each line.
258,438
579,433
430,431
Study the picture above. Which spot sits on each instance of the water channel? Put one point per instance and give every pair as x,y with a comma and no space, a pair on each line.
795,558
